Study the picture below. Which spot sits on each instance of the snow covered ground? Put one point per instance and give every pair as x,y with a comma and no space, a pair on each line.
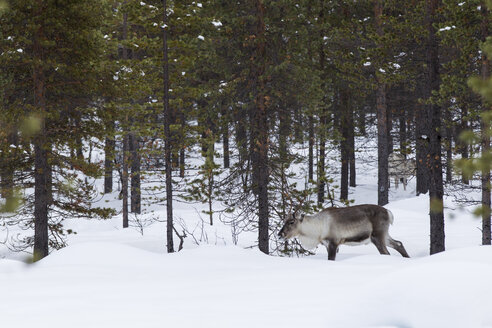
111,277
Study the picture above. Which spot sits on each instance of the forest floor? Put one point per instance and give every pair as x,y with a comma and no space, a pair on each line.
114,277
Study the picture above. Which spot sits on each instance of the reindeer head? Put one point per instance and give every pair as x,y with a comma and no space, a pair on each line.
291,225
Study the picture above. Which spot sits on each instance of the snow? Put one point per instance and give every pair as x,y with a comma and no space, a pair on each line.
110,277
216,23
114,277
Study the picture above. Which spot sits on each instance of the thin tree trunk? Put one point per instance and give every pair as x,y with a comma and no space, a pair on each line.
241,136
262,146
126,142
284,130
389,122
382,117
167,135
311,150
344,144
322,121
41,149
361,120
124,178
436,191
135,203
182,152
383,150
486,230
422,148
108,164
403,132
78,143
351,136
182,164
225,138
463,145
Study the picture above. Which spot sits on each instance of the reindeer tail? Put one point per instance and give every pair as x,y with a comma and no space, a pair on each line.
390,216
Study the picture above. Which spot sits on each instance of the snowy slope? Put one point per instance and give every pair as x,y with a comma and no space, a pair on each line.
112,285
114,277
108,277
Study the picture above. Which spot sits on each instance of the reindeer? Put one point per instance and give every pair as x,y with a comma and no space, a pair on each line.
333,227
400,169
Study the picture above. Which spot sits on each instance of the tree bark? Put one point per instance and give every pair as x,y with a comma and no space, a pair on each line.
436,191
135,203
311,149
167,136
351,138
126,146
403,132
322,121
225,138
463,145
260,131
124,178
485,139
382,119
345,144
41,150
422,122
108,164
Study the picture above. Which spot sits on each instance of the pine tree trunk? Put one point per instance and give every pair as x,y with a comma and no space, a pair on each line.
260,131
126,141
225,138
463,145
241,136
167,136
182,163
135,203
41,149
382,118
41,196
361,121
344,144
434,111
78,143
321,158
311,149
182,152
486,229
403,132
108,164
322,122
351,136
422,148
383,150
284,130
124,178
389,122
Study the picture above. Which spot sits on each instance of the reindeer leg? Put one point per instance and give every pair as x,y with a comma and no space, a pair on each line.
398,246
332,249
380,245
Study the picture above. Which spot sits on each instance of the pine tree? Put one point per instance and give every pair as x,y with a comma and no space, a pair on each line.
62,45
